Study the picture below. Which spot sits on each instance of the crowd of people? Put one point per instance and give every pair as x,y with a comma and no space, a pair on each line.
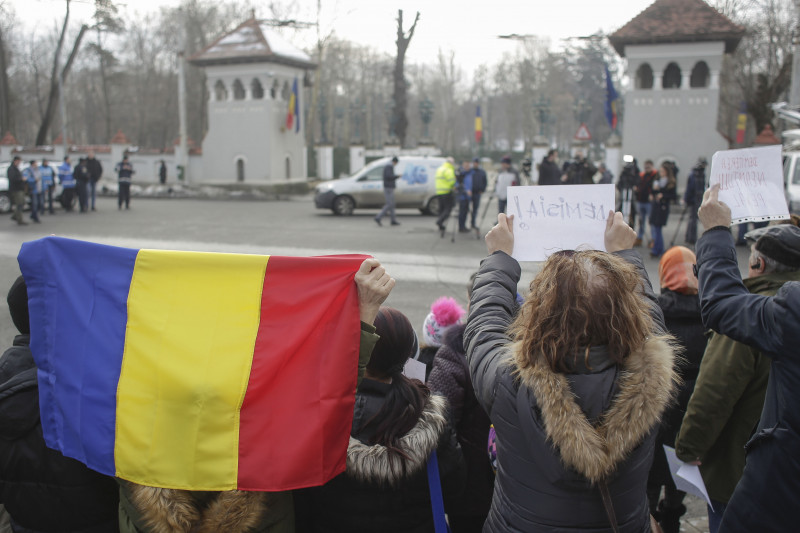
35,185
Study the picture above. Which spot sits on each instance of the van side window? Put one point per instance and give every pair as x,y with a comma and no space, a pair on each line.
796,176
376,174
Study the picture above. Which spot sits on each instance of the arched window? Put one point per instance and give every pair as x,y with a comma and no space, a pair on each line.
240,170
220,91
699,77
238,90
672,77
644,77
273,91
257,89
288,167
285,92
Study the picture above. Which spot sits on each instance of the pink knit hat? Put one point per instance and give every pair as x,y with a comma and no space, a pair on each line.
445,313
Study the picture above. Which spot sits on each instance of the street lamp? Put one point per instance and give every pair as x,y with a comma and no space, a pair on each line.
426,114
542,108
356,112
322,107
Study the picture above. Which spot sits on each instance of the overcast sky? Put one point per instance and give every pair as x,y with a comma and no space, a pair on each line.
469,29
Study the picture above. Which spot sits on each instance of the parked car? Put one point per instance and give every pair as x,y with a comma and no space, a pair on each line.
416,187
5,196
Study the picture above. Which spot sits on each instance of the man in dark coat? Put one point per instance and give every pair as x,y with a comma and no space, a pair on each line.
41,489
549,173
765,500
82,179
95,173
16,186
479,183
125,172
389,185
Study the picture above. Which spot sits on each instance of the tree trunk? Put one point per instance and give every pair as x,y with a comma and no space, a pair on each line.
399,121
5,91
41,137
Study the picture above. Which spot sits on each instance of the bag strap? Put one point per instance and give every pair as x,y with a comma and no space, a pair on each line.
437,502
612,517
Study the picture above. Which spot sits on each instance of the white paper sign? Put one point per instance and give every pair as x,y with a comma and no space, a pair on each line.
414,370
751,183
686,477
550,218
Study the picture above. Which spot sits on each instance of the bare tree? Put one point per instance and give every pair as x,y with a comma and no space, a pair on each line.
400,96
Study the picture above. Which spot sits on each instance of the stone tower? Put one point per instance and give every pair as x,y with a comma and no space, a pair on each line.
674,50
252,73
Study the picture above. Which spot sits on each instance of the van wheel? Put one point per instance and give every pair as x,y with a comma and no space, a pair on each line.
343,205
432,207
5,202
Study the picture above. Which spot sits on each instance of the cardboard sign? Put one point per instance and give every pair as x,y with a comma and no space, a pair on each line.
751,183
558,217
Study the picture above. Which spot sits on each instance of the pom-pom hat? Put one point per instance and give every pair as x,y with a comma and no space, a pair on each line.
445,313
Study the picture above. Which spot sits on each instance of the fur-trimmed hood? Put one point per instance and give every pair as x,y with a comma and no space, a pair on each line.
376,464
646,384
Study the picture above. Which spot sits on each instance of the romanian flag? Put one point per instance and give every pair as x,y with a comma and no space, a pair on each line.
478,125
741,124
196,371
611,101
293,114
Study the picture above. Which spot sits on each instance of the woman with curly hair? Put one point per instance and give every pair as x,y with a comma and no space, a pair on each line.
575,385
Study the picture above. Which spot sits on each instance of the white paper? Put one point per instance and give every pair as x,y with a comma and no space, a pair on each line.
751,183
550,218
687,477
414,370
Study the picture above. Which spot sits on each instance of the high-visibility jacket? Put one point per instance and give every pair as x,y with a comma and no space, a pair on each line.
445,178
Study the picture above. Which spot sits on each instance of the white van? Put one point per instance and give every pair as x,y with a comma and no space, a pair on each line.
416,188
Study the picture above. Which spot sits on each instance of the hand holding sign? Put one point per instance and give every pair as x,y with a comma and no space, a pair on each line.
712,212
751,183
619,235
501,236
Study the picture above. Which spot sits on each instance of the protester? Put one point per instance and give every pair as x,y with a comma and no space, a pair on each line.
95,173
628,179
162,173
445,314
124,171
479,183
16,187
34,179
575,385
445,183
664,193
67,180
579,171
48,184
450,378
681,307
155,510
82,179
549,173
643,191
41,489
397,424
464,195
693,197
507,177
389,185
603,175
766,496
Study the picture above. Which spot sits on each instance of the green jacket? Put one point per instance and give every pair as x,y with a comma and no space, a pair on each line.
262,512
445,178
727,402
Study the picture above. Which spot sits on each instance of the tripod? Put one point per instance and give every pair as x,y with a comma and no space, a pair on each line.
678,229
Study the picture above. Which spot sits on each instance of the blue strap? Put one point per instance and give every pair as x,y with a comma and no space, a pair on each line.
437,503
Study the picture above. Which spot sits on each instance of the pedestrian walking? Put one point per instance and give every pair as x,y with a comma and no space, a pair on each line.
162,173
664,193
389,185
34,179
48,184
479,184
445,183
125,172
765,499
82,179
95,173
17,186
643,192
464,195
508,177
67,180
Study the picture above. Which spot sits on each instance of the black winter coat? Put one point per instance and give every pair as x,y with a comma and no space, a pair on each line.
16,182
95,169
765,500
450,378
549,173
41,489
660,210
558,435
379,491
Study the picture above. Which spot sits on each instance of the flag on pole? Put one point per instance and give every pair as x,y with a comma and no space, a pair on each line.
611,101
195,371
478,125
293,113
741,123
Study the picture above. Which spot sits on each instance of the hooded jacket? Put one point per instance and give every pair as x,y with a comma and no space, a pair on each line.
381,491
559,435
41,489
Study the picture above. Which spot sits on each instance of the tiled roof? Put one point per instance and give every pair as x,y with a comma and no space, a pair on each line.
677,21
767,136
119,138
252,42
8,140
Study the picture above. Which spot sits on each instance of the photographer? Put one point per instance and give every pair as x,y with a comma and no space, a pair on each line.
625,185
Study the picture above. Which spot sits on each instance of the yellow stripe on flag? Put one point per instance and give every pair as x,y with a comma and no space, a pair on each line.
192,324
478,124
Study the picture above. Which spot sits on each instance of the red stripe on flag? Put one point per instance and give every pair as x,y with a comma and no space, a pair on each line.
297,412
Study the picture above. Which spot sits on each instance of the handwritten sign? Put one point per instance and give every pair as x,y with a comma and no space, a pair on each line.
558,217
751,183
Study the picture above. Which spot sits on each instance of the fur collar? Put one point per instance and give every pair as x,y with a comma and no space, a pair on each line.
377,465
183,511
646,384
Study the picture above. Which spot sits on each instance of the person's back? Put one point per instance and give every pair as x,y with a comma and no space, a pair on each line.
42,490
